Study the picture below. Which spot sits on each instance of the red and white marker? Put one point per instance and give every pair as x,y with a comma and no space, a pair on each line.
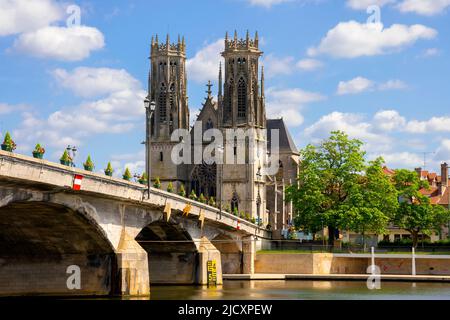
238,227
77,182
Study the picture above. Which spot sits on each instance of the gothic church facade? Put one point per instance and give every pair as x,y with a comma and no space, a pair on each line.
240,104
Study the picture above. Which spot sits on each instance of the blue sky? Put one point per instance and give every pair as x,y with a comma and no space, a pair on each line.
384,82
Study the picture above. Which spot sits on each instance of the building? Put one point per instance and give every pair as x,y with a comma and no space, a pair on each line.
438,193
239,105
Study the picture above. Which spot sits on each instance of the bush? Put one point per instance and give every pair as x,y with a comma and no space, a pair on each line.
202,198
182,191
8,143
247,217
157,183
38,149
212,202
143,179
109,169
242,215
193,196
65,159
89,164
236,212
170,187
127,174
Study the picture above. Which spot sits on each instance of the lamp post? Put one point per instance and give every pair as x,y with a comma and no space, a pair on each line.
72,151
258,199
149,109
220,150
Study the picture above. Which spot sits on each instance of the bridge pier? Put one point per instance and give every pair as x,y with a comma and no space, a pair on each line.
249,255
133,272
207,252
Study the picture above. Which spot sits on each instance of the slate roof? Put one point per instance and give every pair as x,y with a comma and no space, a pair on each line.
286,142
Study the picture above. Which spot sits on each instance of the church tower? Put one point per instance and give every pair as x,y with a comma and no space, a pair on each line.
167,89
243,100
242,106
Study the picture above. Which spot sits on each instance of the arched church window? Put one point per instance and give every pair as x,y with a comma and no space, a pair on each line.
209,124
242,97
172,96
162,103
229,102
234,203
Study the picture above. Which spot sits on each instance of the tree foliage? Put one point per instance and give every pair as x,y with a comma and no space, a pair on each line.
415,213
338,189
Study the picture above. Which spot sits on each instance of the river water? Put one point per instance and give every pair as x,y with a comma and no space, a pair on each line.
305,290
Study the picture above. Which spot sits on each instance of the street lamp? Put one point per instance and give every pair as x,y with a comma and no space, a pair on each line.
149,109
258,199
72,151
220,150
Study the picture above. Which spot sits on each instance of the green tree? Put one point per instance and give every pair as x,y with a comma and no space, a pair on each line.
170,187
337,189
415,213
193,196
371,203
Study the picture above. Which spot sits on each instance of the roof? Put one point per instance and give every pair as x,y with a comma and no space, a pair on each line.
286,142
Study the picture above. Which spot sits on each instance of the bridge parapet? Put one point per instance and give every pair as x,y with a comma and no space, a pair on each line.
27,172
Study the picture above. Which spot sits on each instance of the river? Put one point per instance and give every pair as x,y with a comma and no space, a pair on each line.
305,290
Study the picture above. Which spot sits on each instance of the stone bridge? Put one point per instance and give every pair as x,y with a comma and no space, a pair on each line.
119,236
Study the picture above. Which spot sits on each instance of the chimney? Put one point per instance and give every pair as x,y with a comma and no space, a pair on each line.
419,172
444,174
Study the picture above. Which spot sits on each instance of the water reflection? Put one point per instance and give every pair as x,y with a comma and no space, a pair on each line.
305,290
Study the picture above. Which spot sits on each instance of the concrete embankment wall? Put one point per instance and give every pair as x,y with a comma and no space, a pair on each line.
327,263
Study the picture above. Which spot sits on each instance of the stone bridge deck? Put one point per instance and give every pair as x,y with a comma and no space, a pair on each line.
23,171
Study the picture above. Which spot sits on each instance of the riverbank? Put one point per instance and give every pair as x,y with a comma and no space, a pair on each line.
338,264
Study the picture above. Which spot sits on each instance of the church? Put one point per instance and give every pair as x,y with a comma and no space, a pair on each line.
239,104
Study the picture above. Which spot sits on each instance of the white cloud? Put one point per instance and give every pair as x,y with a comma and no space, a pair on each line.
288,103
119,111
364,4
353,39
389,120
424,7
274,65
431,52
392,85
267,3
309,64
402,159
354,86
18,16
443,151
435,124
8,108
61,43
361,84
92,82
354,125
204,65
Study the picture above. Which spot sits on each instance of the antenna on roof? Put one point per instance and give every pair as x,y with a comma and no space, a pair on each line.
425,154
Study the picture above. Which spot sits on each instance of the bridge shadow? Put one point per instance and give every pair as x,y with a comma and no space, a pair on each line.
39,241
172,254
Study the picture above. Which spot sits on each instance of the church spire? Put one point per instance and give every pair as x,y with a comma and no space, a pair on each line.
262,81
209,91
220,80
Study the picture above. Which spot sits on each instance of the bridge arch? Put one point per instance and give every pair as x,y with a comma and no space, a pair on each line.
172,253
40,240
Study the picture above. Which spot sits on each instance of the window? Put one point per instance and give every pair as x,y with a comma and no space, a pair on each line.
242,97
229,102
162,103
209,124
172,97
161,157
234,203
